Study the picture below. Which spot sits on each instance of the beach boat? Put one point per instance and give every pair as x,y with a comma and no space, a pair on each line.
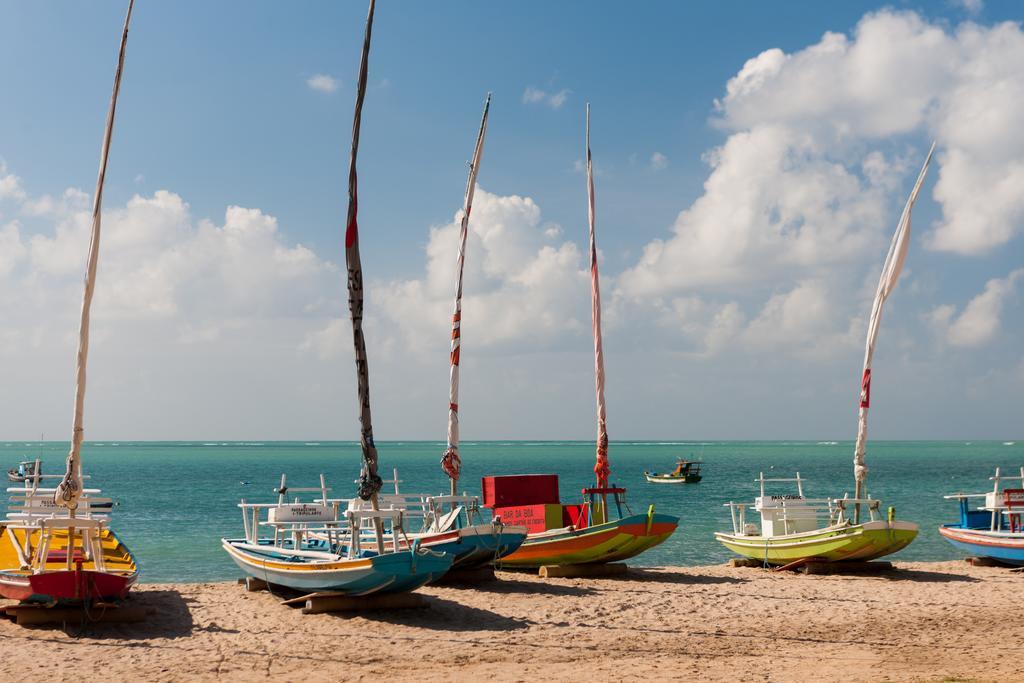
309,550
795,529
54,548
993,530
461,530
686,472
25,470
312,546
585,533
35,562
448,524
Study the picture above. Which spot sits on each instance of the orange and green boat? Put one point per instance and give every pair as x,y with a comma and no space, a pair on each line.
588,540
577,534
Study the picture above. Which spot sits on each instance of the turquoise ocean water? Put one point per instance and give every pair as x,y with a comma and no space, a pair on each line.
177,499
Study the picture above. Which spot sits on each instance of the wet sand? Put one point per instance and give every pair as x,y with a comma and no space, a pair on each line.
924,622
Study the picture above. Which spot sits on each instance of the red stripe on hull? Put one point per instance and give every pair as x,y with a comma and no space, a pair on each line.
66,586
978,539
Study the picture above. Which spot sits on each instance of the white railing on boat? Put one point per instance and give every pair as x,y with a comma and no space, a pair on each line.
324,520
794,512
995,503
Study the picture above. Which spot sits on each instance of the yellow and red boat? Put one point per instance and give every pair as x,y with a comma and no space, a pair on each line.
56,546
38,564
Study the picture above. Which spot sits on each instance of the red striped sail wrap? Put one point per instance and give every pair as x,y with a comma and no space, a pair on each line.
451,463
602,470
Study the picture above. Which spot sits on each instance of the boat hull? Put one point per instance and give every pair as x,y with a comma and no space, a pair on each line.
57,584
860,542
667,479
1002,546
398,572
476,546
66,586
608,542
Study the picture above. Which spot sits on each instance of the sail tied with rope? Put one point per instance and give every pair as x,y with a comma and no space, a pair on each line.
894,260
451,463
69,490
370,482
602,469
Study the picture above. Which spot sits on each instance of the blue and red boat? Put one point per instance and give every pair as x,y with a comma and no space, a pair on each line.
994,530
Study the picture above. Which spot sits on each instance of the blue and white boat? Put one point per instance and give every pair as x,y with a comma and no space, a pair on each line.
993,530
316,547
450,524
456,525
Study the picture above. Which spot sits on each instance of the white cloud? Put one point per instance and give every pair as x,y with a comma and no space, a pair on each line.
196,321
807,185
970,6
10,185
659,162
157,261
554,99
774,206
323,83
979,322
12,250
900,74
552,231
708,327
518,286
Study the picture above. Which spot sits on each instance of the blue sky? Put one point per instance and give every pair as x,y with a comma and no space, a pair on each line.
217,110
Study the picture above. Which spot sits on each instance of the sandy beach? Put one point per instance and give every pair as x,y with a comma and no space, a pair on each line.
926,621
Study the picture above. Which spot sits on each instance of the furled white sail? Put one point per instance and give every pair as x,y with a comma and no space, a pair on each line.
450,461
70,487
887,282
601,467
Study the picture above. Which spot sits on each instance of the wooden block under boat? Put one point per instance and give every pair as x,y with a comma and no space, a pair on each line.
31,615
252,584
845,567
572,571
466,576
745,562
984,562
316,603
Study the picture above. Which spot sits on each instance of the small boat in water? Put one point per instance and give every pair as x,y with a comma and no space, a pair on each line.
993,530
26,469
686,472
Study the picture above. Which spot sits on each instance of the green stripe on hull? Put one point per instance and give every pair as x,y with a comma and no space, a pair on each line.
572,547
831,545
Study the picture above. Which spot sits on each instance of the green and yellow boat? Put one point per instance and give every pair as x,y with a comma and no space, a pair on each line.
794,528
